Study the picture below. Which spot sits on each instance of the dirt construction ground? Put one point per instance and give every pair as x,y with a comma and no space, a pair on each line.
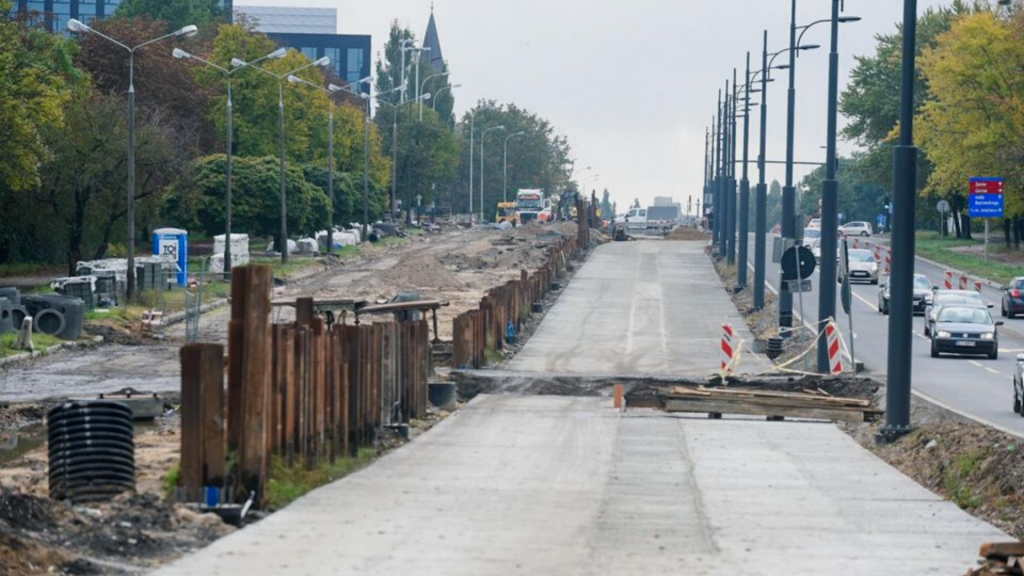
139,531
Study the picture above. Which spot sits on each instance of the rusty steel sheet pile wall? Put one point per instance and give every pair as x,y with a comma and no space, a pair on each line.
485,329
303,391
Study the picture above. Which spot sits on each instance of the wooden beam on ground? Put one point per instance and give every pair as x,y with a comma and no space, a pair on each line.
751,409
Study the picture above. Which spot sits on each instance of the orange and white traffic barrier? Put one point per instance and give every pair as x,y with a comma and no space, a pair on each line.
878,254
835,351
949,280
964,280
856,244
888,261
728,350
977,285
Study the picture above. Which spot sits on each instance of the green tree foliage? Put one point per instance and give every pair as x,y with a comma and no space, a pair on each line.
537,159
348,194
199,203
859,198
427,152
36,83
773,210
607,211
175,14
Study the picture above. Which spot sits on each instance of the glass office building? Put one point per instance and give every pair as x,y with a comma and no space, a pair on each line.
349,53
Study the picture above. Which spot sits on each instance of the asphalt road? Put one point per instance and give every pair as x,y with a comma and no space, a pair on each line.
976,386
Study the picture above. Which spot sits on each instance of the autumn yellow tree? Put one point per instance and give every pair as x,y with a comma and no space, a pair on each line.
973,124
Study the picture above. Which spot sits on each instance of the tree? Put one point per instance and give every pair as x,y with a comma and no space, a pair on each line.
176,14
974,122
606,206
198,203
773,210
860,198
539,158
36,84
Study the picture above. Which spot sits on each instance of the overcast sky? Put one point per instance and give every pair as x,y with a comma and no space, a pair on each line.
632,84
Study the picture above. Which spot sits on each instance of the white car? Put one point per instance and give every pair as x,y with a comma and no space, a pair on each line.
811,235
855,229
862,266
814,223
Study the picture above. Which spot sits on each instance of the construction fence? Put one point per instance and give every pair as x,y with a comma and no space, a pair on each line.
303,391
503,310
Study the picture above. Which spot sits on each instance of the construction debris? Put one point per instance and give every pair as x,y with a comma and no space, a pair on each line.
1000,558
811,404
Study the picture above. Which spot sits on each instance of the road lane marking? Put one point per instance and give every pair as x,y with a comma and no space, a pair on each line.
921,336
976,363
992,370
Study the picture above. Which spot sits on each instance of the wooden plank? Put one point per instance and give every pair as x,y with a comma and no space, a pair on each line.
304,312
287,400
749,409
253,291
202,419
1002,550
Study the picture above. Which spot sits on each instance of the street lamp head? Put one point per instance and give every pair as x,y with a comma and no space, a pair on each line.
188,31
782,67
808,47
294,79
845,19
238,62
334,88
457,86
364,80
76,25
276,54
180,54
426,96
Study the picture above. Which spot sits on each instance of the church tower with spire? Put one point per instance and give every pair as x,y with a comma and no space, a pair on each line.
433,41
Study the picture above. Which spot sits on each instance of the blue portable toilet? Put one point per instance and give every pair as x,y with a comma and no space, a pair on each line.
173,241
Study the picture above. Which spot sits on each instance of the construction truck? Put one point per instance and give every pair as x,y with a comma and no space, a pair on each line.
532,206
507,213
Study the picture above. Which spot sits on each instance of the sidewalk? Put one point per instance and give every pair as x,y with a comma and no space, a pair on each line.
639,308
570,486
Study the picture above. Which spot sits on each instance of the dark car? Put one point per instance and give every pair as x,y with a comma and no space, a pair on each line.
1018,386
923,292
965,330
1013,298
947,298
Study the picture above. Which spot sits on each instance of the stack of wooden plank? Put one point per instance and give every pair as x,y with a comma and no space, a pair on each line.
1001,558
809,404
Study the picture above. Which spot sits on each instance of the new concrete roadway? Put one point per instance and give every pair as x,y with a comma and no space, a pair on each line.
975,386
543,485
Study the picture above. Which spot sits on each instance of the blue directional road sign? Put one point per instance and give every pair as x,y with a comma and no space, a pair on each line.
986,198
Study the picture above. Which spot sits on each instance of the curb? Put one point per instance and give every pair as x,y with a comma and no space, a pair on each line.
56,348
984,281
179,317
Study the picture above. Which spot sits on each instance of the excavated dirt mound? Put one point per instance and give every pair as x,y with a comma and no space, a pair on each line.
682,233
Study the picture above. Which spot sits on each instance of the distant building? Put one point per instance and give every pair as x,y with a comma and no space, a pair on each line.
313,31
663,201
56,13
279,20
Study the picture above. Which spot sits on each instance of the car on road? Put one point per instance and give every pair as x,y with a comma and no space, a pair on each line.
950,298
1013,298
965,330
863,267
923,294
1018,386
855,229
811,235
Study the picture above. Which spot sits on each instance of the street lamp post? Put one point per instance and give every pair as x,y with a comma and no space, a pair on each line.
830,197
715,144
450,87
731,254
423,86
394,144
761,196
723,184
229,141
483,138
741,278
281,79
504,169
900,369
75,25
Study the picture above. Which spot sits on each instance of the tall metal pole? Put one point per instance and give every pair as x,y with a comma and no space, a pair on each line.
330,173
707,169
472,128
130,277
829,203
394,160
366,174
789,191
227,193
284,200
731,256
761,222
741,278
721,206
504,172
897,409
715,217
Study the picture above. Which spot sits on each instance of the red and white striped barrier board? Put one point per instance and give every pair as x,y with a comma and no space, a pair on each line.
888,261
964,280
856,244
728,351
949,280
977,286
835,352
